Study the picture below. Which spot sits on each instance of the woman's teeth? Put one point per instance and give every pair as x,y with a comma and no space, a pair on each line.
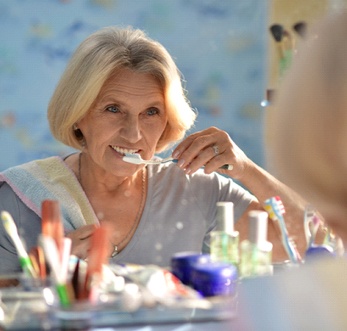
124,150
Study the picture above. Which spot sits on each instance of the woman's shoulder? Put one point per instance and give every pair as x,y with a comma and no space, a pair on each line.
9,200
5,191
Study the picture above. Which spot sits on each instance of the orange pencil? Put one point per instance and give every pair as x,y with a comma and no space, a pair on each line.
37,257
52,225
96,259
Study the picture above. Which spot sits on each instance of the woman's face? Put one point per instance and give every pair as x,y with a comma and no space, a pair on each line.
128,116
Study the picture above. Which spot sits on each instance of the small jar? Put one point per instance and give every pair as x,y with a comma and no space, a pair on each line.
319,251
182,263
214,279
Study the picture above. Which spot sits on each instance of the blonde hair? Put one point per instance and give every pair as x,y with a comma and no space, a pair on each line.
95,60
310,121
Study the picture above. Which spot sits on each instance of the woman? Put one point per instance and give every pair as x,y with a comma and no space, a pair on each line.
122,93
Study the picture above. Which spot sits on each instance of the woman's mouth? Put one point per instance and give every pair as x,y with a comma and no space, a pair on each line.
124,151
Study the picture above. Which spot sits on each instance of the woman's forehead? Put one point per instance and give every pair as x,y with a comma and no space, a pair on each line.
132,84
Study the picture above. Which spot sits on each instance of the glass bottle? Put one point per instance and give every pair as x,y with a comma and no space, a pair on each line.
256,251
224,239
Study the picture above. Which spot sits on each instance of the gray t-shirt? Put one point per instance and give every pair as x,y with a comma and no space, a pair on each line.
179,213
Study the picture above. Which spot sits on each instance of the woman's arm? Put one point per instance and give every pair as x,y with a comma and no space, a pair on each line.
212,148
263,185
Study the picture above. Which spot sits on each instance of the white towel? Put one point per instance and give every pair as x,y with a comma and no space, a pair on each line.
52,179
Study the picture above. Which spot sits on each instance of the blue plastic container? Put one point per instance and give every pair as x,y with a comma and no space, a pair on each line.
319,251
214,279
182,263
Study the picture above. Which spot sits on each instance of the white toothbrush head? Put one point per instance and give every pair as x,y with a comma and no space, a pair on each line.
133,158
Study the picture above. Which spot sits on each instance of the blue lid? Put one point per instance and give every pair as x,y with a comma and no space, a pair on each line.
181,264
318,251
214,278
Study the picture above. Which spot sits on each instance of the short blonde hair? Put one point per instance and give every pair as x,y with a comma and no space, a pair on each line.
310,119
98,57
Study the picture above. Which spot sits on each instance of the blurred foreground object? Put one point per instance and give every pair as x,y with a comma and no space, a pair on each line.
312,297
309,124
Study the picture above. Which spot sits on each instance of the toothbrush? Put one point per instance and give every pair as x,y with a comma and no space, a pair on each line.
58,263
24,258
136,158
275,209
311,225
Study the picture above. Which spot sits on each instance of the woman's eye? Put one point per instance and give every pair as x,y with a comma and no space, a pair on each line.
112,108
152,111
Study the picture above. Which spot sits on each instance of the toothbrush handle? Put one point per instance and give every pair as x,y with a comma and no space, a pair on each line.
288,243
227,167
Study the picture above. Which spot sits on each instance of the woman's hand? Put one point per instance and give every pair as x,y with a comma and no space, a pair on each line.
211,148
81,240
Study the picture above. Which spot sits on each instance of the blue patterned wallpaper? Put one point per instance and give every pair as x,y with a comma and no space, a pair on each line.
219,45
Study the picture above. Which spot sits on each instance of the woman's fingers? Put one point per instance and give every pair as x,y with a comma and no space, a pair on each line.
194,143
211,148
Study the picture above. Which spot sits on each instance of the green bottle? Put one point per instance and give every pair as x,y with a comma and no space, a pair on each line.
224,239
256,251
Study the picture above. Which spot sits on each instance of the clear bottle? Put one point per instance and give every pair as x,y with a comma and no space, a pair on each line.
224,239
256,251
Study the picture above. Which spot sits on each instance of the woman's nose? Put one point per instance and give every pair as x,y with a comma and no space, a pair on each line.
131,129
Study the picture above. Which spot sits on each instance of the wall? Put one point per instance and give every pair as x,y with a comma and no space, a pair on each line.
220,47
